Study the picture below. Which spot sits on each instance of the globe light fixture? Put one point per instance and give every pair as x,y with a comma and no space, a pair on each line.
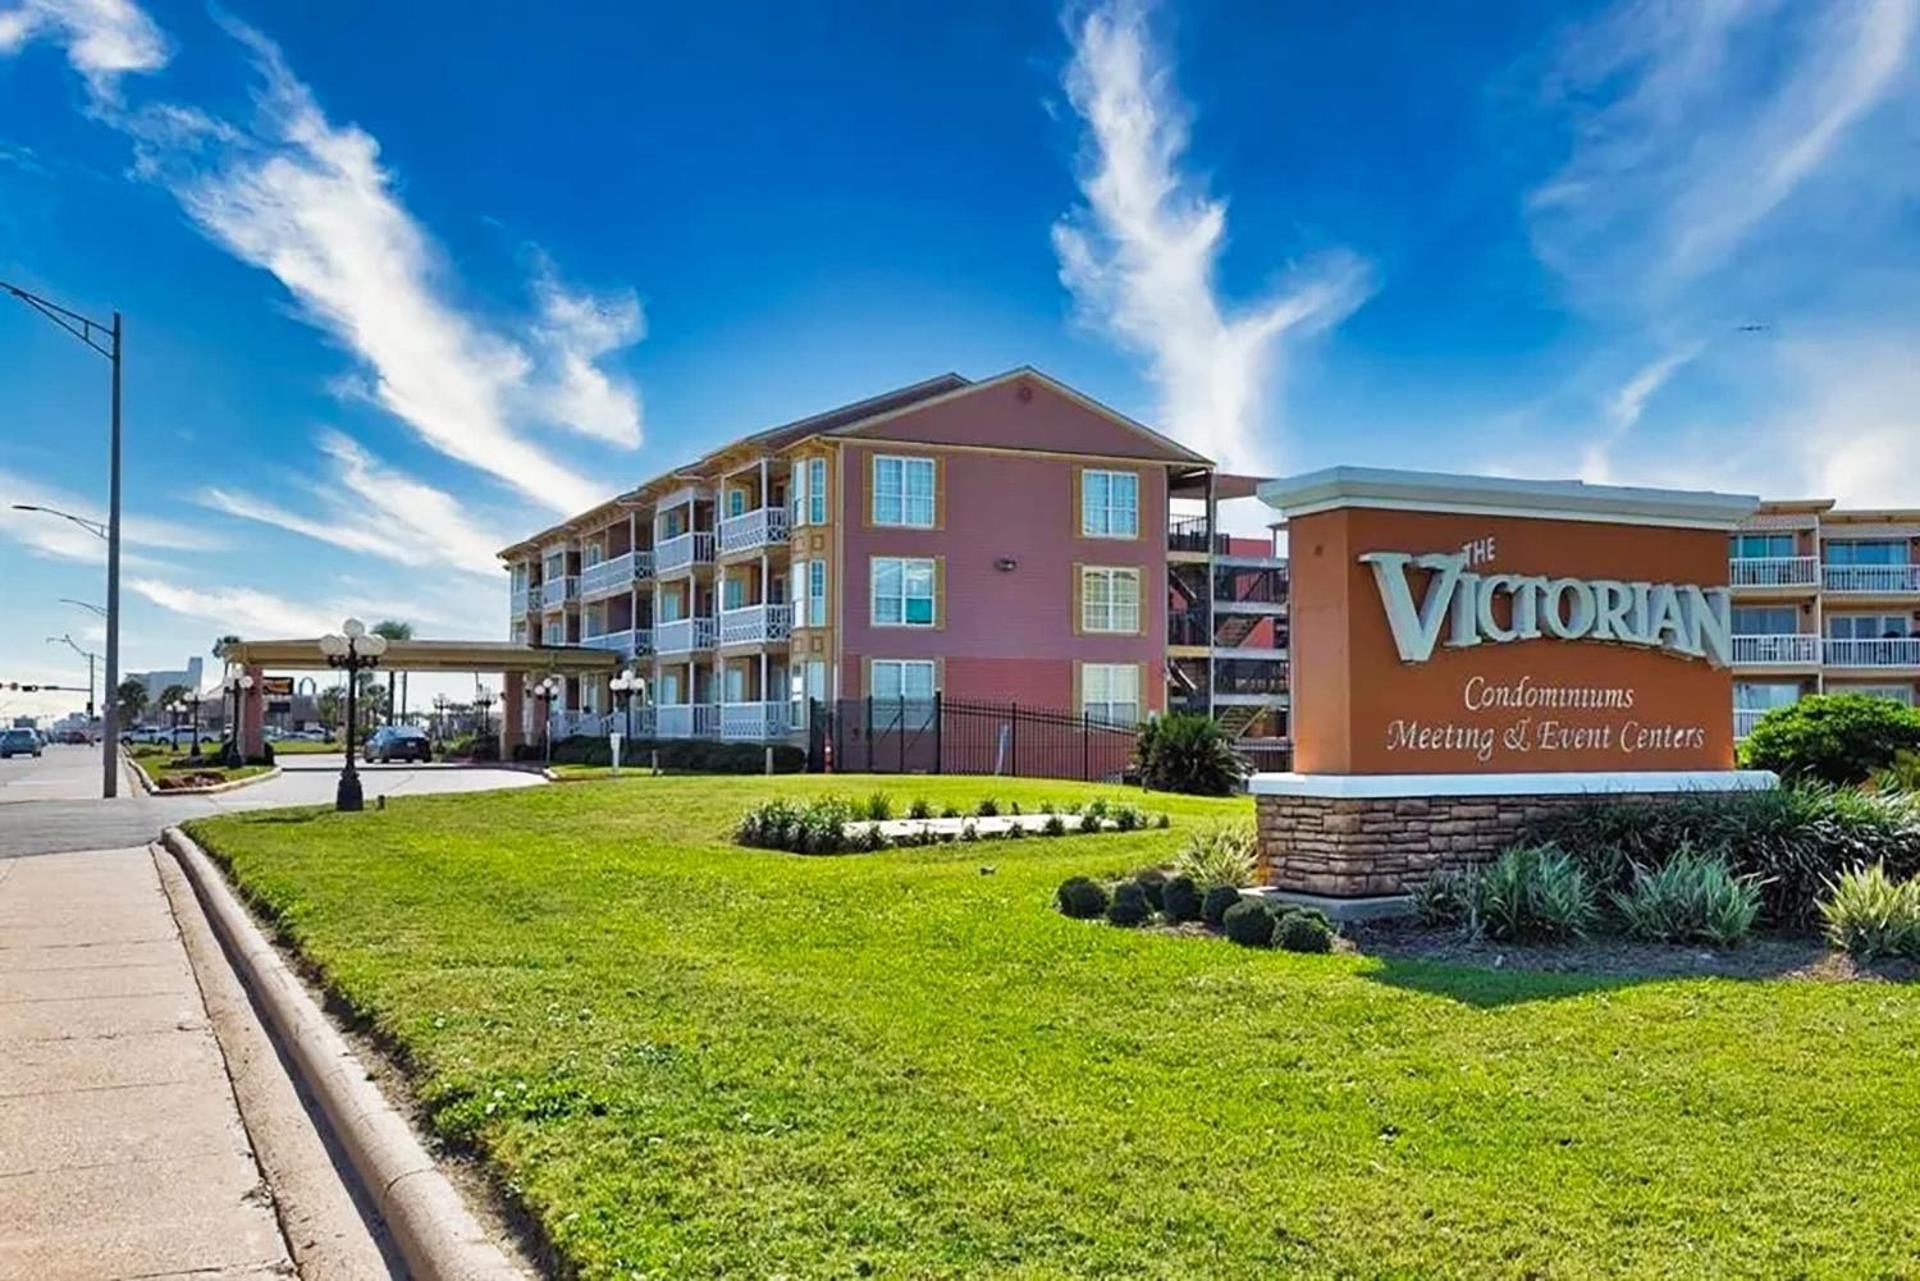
352,650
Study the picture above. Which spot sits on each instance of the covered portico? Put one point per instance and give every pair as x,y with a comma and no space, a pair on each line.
515,663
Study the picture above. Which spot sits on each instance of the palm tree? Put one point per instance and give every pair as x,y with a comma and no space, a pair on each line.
393,630
131,699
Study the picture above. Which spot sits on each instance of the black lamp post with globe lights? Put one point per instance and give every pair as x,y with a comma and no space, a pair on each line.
238,687
625,687
353,652
546,691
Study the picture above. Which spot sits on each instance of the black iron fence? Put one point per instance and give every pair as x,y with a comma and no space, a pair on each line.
962,736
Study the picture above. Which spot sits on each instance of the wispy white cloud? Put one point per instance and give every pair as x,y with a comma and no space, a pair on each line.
575,330
1140,257
310,202
1694,122
1625,408
103,39
246,611
49,535
369,507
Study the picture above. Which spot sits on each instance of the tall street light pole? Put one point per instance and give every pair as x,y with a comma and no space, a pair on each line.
89,656
91,332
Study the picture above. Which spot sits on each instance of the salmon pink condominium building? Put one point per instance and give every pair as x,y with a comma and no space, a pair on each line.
1007,540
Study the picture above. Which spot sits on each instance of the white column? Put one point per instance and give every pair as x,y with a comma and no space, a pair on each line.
764,493
765,693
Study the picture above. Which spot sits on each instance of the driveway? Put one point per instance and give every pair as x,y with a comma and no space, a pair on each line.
73,817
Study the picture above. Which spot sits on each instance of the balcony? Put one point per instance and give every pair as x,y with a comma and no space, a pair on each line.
519,601
1194,534
683,636
1773,571
1189,627
1239,589
1872,580
1745,718
683,552
558,591
756,624
616,575
686,720
750,531
1895,651
1242,678
635,640
1777,649
754,722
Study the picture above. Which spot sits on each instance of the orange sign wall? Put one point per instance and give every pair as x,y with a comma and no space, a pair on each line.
1525,706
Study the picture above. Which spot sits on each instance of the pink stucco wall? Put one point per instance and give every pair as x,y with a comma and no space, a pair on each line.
1023,413
1007,635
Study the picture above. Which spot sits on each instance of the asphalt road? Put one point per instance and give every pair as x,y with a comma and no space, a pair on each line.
53,804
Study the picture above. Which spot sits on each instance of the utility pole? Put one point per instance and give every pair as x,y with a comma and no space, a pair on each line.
88,332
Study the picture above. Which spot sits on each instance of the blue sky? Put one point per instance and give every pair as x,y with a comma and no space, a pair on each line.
406,281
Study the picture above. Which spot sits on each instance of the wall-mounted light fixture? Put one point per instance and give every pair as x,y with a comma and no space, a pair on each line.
1006,564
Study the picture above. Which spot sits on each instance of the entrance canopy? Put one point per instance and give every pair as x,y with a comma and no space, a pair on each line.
430,656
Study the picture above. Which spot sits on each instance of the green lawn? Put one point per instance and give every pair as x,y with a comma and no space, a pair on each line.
690,1059
304,747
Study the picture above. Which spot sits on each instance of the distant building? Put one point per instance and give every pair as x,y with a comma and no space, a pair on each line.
1824,601
155,683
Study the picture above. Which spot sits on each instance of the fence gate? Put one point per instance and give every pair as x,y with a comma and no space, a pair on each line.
955,736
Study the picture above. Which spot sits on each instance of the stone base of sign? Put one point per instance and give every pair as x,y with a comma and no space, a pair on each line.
1364,836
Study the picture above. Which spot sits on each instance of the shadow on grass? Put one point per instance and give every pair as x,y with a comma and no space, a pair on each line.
1487,975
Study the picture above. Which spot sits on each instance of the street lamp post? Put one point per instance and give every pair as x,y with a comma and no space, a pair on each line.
67,640
192,702
354,652
91,333
625,686
546,691
483,707
238,687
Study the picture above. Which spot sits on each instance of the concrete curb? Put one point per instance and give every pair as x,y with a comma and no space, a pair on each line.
437,1235
153,789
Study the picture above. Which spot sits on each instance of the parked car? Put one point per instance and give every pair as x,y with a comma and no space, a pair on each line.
401,742
19,742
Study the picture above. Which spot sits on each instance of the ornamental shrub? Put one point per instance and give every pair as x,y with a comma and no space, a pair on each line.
1154,882
1187,752
1692,898
1903,775
1249,923
921,808
1090,822
1221,854
1081,898
1180,899
1793,841
1533,892
1216,901
1304,932
1128,818
1869,914
1833,738
1445,898
1129,906
879,807
987,808
1054,826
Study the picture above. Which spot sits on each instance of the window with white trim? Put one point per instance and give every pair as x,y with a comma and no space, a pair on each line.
733,592
903,491
903,591
1109,504
1898,693
901,690
1110,693
1110,600
1868,626
817,592
816,491
736,501
799,594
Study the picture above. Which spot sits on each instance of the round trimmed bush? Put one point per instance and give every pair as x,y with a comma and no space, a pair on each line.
1180,899
1249,924
1130,906
1306,931
1214,906
1082,899
1154,882
1833,738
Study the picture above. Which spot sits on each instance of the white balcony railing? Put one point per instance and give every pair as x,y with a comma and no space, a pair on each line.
616,575
687,720
749,531
756,624
614,642
678,553
1901,651
565,724
753,722
1745,718
1881,579
1773,571
1784,648
683,635
558,591
519,601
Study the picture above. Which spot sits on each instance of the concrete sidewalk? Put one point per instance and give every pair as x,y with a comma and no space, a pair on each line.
122,1153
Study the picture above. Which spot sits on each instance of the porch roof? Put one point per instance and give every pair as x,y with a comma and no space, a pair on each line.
430,656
